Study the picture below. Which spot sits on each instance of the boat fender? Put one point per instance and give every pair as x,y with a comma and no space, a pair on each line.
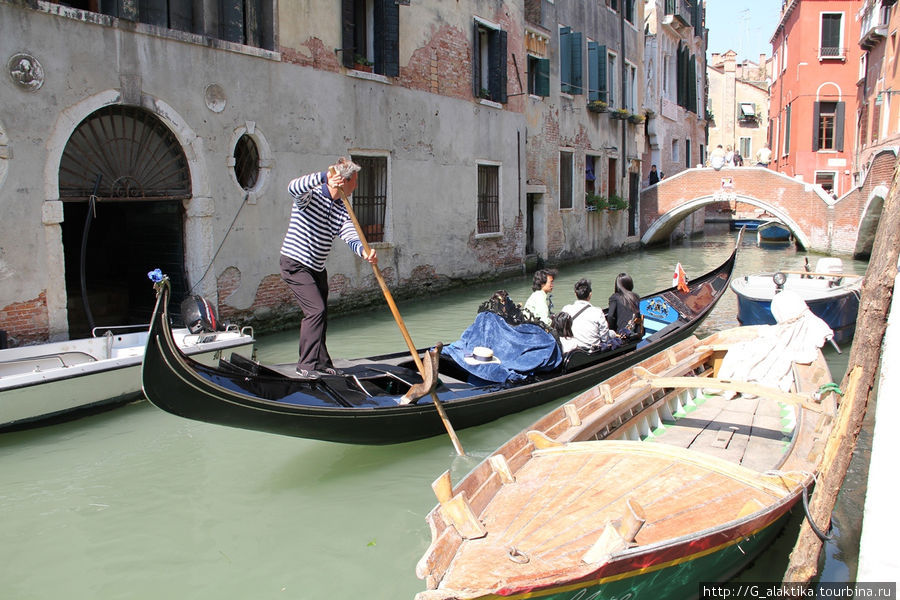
198,314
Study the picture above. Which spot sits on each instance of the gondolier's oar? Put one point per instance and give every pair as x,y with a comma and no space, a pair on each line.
400,324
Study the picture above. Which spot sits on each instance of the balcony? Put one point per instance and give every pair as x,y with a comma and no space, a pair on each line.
873,23
678,14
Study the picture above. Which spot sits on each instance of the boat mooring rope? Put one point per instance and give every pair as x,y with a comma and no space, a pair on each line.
222,243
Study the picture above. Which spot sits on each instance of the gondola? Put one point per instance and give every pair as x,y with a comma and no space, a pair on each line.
365,404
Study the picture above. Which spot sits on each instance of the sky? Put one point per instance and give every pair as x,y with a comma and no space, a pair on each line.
745,26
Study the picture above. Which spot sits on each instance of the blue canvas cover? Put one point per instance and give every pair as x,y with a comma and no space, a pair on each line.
523,350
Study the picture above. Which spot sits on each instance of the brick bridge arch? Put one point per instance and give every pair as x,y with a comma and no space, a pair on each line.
819,222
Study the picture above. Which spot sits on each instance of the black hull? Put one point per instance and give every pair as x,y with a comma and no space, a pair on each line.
262,399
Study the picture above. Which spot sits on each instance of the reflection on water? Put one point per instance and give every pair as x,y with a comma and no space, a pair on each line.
137,503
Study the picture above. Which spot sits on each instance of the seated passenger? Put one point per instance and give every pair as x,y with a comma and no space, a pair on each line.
589,326
624,313
539,305
562,323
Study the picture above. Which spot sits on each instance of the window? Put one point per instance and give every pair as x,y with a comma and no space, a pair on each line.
746,149
611,79
665,77
538,76
246,162
831,36
247,22
597,72
590,174
613,5
566,166
826,180
571,80
488,199
370,197
675,152
489,62
876,117
687,153
746,111
611,177
371,31
631,88
828,120
628,6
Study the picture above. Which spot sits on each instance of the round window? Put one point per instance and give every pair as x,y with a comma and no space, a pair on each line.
246,162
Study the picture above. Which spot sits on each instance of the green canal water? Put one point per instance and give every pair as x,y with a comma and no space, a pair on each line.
137,503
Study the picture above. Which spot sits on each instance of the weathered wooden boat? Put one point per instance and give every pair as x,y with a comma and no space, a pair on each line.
366,404
831,294
644,486
773,230
57,381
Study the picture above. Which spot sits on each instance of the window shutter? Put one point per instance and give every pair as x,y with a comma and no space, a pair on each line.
692,85
839,126
154,12
181,16
815,144
387,38
476,60
787,129
347,42
231,24
497,61
601,73
577,49
593,84
542,81
565,60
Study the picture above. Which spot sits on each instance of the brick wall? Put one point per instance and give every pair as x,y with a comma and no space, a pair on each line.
26,322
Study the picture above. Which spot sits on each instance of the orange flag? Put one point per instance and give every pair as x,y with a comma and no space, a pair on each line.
679,279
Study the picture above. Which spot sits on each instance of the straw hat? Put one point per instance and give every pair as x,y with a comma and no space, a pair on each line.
482,355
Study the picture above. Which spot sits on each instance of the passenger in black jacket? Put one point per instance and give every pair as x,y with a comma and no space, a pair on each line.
624,315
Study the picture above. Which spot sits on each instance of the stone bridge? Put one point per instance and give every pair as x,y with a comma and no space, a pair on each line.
820,223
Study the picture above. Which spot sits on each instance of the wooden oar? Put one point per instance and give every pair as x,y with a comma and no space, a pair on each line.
393,306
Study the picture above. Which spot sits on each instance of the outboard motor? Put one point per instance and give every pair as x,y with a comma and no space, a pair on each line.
198,314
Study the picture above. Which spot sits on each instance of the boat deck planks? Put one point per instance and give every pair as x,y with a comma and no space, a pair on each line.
589,491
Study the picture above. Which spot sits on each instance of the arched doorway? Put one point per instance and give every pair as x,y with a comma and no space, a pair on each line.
136,223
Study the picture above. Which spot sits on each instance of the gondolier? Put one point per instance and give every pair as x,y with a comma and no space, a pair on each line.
317,216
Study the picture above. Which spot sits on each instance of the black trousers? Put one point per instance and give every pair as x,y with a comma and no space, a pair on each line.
310,287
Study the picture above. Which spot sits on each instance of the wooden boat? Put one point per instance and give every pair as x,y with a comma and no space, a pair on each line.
644,486
831,294
365,404
57,381
772,230
748,224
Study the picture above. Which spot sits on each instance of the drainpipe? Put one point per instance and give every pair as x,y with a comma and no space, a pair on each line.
624,71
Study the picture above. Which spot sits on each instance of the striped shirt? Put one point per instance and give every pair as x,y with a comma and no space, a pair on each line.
315,221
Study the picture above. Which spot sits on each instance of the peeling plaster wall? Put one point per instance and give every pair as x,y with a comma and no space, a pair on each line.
307,116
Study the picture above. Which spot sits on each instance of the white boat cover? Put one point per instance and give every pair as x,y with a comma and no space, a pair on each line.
797,337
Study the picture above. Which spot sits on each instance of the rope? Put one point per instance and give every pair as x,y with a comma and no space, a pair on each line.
822,536
830,387
222,243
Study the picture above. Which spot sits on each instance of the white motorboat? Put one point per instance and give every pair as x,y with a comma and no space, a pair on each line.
56,381
831,294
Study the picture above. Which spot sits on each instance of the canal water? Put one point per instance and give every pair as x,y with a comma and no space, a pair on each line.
137,503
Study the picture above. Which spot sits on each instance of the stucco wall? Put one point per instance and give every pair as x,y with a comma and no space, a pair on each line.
302,117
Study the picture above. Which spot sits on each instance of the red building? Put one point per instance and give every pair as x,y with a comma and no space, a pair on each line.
812,99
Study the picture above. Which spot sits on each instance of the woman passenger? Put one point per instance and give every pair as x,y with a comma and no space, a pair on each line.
624,314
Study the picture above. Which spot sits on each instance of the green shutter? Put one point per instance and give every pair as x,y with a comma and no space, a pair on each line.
577,49
476,60
565,60
542,77
593,85
601,73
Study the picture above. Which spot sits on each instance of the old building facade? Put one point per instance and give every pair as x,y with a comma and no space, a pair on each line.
674,77
738,103
165,134
814,88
